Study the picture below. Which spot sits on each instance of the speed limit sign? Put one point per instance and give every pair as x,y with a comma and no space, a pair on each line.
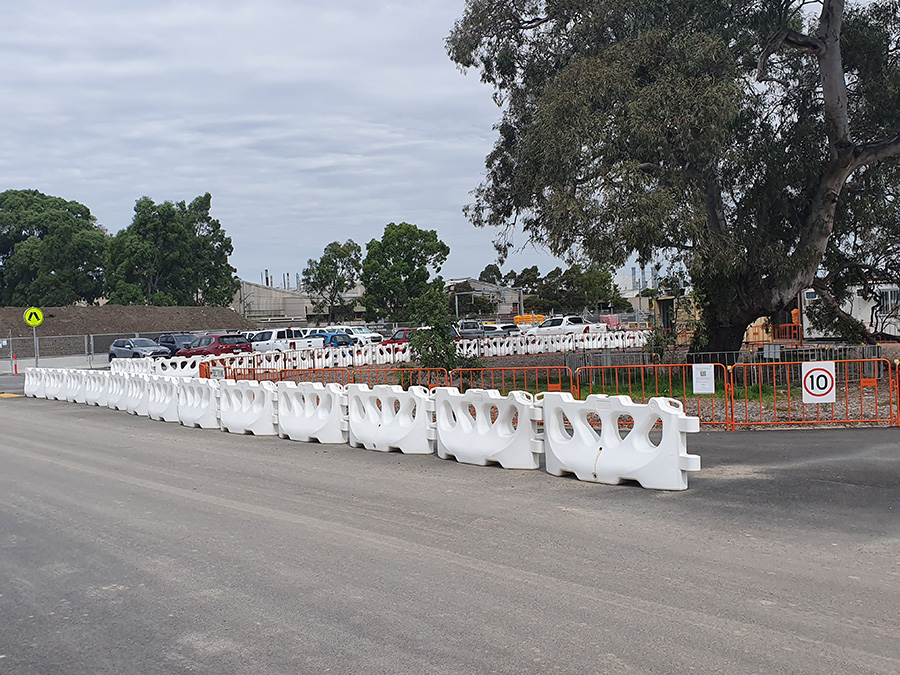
818,381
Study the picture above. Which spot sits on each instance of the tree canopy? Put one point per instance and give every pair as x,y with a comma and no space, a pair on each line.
397,269
756,144
332,275
171,254
51,250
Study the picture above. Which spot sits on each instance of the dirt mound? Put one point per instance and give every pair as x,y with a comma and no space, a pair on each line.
118,319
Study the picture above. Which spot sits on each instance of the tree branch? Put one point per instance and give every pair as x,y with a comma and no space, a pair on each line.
869,153
828,300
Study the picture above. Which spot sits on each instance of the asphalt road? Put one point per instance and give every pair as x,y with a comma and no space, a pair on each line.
134,546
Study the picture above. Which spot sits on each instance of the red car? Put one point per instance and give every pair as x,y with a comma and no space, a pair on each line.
400,335
216,345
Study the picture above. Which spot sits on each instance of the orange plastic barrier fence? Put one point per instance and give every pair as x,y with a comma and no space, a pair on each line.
405,377
257,374
530,378
323,375
789,334
771,394
642,382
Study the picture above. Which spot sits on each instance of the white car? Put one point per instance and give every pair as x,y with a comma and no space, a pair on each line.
360,334
278,340
566,325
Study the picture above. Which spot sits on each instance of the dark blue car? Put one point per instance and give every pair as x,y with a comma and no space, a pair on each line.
333,339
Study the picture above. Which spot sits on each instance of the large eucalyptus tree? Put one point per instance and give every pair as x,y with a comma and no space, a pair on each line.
755,142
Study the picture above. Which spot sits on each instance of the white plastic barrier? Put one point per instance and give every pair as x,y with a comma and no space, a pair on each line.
467,348
163,402
115,399
387,418
198,403
137,394
143,366
247,407
482,426
35,382
342,357
362,355
573,445
311,411
179,366
402,353
55,387
76,382
272,360
96,391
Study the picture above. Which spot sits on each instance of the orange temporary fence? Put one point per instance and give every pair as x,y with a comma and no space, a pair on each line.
257,374
789,334
322,375
771,394
642,382
505,380
746,395
405,377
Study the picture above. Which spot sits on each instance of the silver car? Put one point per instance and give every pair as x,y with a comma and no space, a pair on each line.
136,348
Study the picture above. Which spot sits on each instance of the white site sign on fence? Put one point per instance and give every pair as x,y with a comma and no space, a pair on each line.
818,381
704,379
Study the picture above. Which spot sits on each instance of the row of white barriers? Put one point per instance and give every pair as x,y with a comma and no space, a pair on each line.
479,426
378,354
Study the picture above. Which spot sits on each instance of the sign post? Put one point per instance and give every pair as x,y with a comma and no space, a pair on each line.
34,317
818,382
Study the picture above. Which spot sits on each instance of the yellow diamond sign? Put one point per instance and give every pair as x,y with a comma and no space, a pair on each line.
34,317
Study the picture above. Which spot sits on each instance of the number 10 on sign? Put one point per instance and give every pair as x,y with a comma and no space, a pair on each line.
818,382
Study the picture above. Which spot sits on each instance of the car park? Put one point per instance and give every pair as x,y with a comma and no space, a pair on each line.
360,334
136,348
175,341
216,345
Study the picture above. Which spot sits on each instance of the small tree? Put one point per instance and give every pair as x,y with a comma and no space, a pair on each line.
397,267
328,278
434,346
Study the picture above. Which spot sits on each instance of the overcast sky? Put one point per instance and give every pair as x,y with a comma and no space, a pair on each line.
308,121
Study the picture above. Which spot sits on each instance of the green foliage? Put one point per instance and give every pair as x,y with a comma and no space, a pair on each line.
433,347
491,274
335,273
573,290
468,303
648,127
51,251
173,254
396,269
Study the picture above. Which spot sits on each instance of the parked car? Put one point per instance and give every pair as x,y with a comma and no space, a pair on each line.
277,339
175,341
400,335
470,329
216,345
136,348
566,325
495,330
332,339
360,334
